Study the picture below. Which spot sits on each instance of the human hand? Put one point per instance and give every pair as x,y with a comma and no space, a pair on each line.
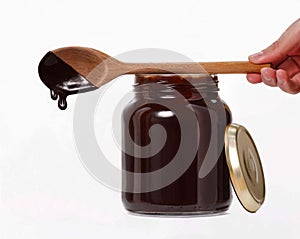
284,55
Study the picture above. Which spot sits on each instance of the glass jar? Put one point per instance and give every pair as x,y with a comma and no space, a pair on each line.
165,103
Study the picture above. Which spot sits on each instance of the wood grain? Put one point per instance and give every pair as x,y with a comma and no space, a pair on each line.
228,67
99,68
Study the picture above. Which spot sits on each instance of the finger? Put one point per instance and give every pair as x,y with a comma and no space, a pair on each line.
268,76
285,83
254,78
297,59
296,79
290,65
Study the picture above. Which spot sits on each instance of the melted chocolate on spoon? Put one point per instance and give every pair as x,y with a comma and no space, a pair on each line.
62,79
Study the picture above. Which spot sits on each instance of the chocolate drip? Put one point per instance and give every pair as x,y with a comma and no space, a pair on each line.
62,102
53,95
62,79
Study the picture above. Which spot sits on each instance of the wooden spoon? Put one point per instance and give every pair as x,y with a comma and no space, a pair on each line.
99,68
72,70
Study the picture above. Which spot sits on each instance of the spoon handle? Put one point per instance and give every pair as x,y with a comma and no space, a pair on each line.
233,67
228,67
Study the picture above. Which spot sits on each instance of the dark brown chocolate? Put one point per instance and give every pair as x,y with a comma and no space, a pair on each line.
62,79
188,194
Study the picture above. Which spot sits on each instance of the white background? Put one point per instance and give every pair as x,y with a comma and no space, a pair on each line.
45,192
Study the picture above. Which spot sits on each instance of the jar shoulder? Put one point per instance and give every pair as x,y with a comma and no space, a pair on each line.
228,112
146,109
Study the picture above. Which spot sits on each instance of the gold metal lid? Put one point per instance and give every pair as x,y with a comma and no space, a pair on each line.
245,167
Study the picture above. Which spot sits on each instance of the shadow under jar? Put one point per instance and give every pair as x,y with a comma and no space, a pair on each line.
187,193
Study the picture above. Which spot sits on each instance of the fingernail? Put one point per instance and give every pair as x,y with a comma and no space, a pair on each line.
279,80
256,56
268,79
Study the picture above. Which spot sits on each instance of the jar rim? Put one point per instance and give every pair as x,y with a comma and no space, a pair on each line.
177,79
183,76
184,83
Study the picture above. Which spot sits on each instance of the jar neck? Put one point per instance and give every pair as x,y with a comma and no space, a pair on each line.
192,86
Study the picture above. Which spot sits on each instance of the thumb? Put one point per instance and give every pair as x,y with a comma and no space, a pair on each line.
275,53
279,50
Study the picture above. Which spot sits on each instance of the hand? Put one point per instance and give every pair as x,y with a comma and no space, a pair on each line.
284,55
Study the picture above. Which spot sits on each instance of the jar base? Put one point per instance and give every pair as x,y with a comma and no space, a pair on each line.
220,212
177,211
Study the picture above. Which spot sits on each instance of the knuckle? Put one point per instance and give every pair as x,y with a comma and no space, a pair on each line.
275,45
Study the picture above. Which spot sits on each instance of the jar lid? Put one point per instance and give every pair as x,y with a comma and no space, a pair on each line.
245,167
